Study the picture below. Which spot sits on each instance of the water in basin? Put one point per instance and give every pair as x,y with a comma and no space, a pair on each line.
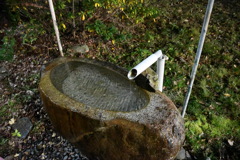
98,87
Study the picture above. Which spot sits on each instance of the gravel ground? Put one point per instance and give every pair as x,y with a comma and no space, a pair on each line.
20,97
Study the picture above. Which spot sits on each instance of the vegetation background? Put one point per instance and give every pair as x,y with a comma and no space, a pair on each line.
125,32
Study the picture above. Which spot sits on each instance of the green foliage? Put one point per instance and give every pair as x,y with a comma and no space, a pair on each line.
106,32
3,144
205,129
31,32
134,10
3,111
7,48
223,127
38,127
3,141
16,133
7,109
139,55
204,86
28,33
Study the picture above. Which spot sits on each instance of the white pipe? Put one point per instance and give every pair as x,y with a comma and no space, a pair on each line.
133,73
55,26
160,72
160,58
198,53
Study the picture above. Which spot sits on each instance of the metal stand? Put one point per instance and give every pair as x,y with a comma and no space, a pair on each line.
198,54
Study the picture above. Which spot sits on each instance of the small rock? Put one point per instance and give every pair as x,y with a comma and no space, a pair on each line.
79,49
3,73
27,152
29,92
24,126
39,147
188,157
23,158
76,156
181,154
42,69
65,158
54,134
3,70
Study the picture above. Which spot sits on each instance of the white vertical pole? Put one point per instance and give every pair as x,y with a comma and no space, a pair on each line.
55,26
160,71
198,53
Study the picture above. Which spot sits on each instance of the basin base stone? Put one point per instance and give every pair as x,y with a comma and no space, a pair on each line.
122,139
155,131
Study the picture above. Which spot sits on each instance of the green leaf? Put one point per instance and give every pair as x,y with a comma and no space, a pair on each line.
16,133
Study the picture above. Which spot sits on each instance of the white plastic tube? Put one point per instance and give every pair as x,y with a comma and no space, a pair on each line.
133,73
160,72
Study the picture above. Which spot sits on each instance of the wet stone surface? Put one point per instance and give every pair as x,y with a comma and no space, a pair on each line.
101,88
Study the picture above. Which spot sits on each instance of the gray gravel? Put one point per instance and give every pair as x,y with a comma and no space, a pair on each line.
21,86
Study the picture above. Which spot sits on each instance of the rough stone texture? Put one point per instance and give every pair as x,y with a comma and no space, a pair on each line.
155,131
24,126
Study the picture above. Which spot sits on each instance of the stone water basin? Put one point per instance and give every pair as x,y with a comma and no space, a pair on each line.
94,106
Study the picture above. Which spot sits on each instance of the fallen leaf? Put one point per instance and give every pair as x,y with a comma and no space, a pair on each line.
175,83
230,142
83,17
227,95
16,155
211,107
54,134
113,41
12,121
64,26
97,5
